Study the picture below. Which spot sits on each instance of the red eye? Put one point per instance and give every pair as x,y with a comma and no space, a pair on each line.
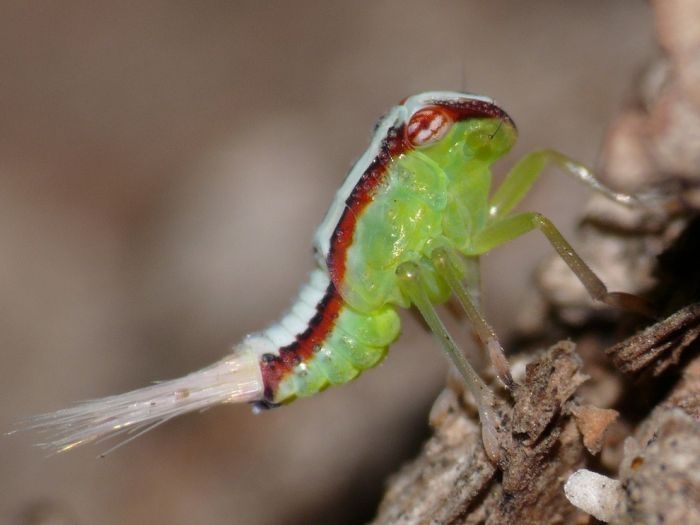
427,125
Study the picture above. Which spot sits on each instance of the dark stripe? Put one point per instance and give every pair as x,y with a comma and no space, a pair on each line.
362,194
470,108
275,368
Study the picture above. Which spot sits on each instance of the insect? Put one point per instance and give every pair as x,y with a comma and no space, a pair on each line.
406,228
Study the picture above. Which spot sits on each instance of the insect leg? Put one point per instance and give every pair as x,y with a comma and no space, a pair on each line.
446,266
412,285
514,226
525,173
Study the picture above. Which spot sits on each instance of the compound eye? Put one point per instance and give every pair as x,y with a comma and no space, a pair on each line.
427,126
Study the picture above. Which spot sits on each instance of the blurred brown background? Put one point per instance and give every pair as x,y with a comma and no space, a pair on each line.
162,169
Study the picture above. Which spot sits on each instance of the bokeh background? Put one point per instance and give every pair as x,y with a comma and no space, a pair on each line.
163,166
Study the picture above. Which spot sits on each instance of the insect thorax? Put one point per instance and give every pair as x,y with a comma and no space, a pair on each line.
430,197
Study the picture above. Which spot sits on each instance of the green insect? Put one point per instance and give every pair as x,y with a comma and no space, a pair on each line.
406,228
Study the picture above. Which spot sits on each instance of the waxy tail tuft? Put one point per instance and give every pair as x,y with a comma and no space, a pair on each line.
234,379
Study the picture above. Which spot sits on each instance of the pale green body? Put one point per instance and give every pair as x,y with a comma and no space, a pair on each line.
358,342
413,227
435,204
436,196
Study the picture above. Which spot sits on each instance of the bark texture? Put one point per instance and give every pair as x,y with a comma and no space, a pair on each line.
636,419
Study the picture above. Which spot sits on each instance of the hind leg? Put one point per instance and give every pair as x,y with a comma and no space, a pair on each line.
447,266
414,287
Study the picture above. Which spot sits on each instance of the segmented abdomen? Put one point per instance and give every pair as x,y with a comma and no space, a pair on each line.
320,342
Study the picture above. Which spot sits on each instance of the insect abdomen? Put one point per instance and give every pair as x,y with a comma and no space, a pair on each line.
322,341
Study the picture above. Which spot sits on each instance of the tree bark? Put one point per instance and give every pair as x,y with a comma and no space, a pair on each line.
628,410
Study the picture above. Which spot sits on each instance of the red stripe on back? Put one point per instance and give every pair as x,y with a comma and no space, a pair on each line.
276,367
362,194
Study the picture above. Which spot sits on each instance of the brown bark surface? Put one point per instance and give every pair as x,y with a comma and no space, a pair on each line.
637,417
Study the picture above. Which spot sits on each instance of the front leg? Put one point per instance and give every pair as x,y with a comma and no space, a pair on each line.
527,171
514,226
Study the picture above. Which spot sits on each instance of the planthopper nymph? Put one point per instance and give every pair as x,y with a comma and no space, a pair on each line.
406,228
